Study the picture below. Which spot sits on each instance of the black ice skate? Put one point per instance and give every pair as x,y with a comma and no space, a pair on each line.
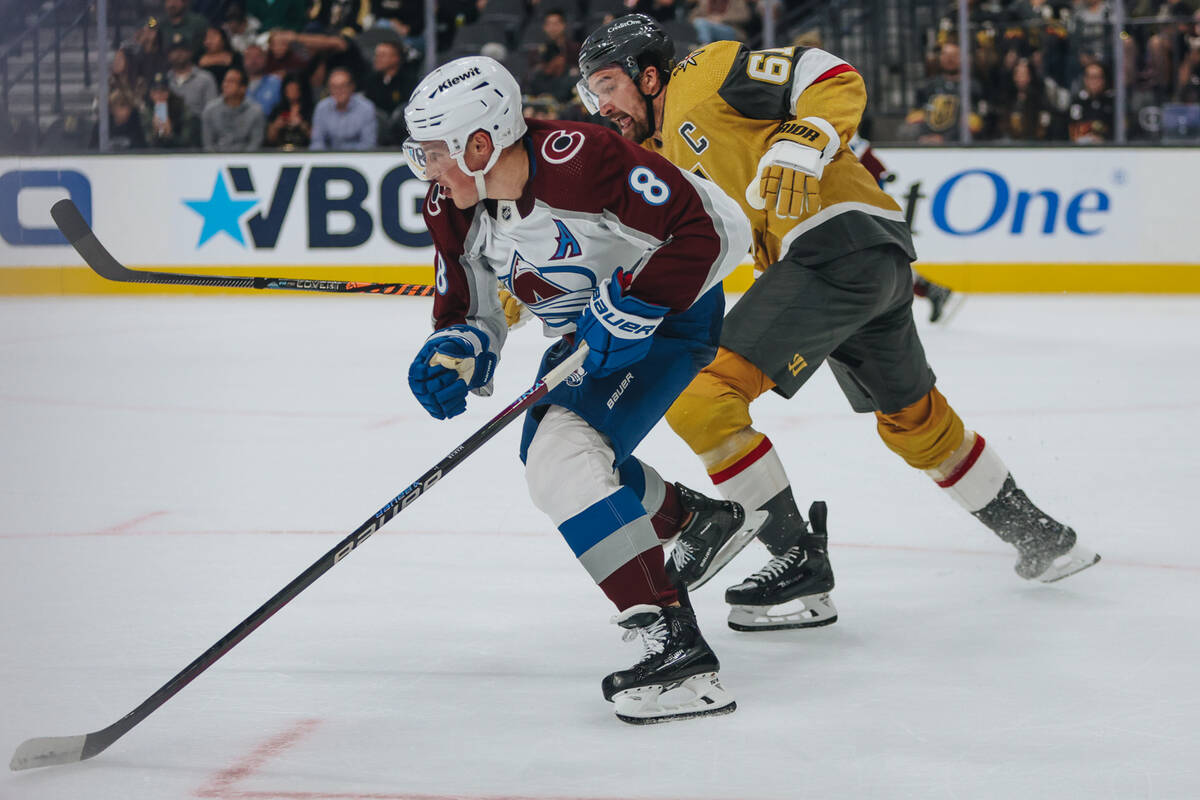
1046,549
943,302
677,676
715,534
792,590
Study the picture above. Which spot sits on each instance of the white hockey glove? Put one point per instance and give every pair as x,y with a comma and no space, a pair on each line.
788,174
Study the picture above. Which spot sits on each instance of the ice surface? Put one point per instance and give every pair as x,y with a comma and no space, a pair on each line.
169,463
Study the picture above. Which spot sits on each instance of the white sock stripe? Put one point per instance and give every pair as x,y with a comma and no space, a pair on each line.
980,484
757,483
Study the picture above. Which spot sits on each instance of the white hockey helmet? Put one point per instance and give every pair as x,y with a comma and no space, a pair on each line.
469,94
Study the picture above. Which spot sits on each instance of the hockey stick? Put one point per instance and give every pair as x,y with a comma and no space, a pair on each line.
54,750
76,230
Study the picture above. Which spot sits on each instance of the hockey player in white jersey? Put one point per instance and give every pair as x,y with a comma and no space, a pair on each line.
612,246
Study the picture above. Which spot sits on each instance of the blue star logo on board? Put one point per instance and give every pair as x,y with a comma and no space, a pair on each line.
221,213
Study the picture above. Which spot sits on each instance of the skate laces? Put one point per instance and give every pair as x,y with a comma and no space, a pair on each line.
683,553
777,565
654,637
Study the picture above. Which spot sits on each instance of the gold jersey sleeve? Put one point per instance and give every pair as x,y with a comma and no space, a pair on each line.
724,105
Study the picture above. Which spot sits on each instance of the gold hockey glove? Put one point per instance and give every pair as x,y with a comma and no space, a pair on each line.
515,312
788,174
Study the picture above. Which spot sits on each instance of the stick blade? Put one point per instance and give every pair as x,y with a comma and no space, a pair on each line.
48,751
68,219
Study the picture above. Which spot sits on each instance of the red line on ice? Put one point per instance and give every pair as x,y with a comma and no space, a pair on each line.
221,784
125,527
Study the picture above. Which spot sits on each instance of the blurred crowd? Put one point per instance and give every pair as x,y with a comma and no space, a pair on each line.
1043,70
239,75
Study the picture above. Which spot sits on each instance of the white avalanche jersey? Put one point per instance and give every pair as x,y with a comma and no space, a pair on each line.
594,204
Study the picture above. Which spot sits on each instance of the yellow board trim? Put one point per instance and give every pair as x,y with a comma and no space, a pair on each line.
1016,278
81,280
1077,278
1043,278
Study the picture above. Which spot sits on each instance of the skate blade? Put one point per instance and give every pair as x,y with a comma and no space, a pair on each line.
696,696
742,537
813,611
1074,560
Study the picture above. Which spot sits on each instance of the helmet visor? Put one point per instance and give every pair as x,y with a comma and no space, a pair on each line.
589,98
427,160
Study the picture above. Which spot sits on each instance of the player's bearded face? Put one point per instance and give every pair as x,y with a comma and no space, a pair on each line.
621,102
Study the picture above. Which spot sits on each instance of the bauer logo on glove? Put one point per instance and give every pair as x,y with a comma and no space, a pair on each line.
786,181
617,327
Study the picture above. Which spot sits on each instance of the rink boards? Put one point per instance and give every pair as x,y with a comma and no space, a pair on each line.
984,219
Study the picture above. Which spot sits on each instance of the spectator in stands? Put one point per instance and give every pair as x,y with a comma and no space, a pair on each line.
1174,44
661,10
345,120
147,55
1189,71
290,15
1092,111
194,85
124,124
334,48
166,122
405,17
211,10
218,54
290,125
556,68
720,20
1090,36
390,85
231,123
282,57
936,117
122,76
264,87
333,16
1027,114
179,19
451,15
242,30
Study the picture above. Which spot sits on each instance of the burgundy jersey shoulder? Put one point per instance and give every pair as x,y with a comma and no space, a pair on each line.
580,165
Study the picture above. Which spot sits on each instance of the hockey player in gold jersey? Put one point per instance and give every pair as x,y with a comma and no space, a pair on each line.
771,128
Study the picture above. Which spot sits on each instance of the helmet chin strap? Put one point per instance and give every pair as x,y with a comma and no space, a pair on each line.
649,99
478,174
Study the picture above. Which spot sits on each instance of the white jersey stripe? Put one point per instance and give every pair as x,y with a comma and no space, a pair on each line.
813,64
829,212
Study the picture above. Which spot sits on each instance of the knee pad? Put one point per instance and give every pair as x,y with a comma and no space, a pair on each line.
925,433
569,465
716,404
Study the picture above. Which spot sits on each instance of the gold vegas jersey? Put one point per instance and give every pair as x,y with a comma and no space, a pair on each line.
724,104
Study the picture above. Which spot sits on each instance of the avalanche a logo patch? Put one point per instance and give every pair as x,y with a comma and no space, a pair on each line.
556,294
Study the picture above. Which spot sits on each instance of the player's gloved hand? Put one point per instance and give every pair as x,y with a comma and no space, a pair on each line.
452,361
787,180
616,327
515,312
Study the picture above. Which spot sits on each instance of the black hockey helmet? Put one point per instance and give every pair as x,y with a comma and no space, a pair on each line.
633,43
